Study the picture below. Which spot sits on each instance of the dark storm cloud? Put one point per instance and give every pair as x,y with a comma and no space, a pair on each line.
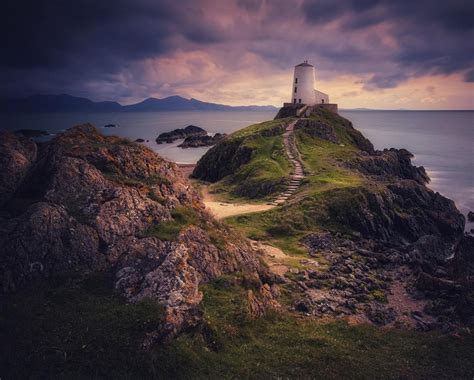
91,47
433,37
89,38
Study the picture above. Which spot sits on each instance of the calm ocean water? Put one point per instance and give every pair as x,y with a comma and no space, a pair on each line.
442,141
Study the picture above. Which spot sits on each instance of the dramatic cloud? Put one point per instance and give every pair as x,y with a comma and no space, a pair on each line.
235,51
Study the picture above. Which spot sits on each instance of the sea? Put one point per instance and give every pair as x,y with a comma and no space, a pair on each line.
441,141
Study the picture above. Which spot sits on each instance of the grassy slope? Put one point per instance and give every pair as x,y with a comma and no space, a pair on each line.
267,169
78,329
327,184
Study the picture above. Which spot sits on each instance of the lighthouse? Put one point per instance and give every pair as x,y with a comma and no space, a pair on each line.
303,91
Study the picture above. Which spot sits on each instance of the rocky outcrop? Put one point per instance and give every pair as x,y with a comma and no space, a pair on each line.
181,133
318,129
266,299
200,141
226,157
402,212
90,202
389,163
470,216
17,154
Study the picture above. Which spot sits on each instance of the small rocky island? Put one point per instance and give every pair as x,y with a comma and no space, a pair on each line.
179,134
193,136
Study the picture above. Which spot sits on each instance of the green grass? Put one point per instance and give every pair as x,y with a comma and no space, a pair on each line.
169,230
78,329
73,328
328,189
267,169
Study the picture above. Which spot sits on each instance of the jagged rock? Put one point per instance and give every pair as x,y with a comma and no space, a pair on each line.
17,154
404,212
257,306
92,201
390,162
431,250
45,241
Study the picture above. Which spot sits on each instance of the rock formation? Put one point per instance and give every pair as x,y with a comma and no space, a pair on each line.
85,202
181,133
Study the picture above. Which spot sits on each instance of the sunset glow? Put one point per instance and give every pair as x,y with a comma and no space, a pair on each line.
375,54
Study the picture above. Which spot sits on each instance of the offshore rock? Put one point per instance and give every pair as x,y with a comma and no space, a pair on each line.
181,133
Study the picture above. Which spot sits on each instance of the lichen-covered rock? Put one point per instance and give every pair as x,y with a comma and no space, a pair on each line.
266,299
45,241
17,153
93,203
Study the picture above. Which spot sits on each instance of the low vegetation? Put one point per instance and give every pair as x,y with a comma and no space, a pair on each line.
251,162
77,328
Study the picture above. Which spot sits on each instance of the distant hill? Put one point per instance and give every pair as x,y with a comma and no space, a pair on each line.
69,103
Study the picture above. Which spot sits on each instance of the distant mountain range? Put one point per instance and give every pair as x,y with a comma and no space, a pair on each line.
69,103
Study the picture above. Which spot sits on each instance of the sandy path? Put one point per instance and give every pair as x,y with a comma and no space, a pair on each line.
223,209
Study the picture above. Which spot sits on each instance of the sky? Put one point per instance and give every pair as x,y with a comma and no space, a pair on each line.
396,54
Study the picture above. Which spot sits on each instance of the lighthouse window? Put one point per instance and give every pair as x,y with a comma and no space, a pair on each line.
296,80
294,100
299,100
296,90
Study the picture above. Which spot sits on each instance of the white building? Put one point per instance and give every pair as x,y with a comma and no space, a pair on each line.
303,86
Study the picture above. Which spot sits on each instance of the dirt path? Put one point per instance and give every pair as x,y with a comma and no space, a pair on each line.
222,210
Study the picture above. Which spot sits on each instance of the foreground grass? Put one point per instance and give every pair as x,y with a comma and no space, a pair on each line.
78,329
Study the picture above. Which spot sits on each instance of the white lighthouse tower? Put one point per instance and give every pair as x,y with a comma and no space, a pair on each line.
303,91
